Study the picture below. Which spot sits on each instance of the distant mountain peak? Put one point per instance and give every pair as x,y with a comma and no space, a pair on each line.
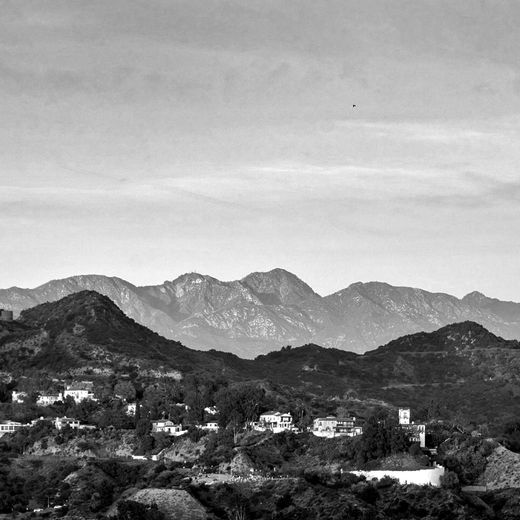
279,287
474,297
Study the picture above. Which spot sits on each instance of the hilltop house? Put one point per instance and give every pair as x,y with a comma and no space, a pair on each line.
48,399
18,397
416,432
168,427
9,427
131,409
275,421
331,426
208,426
62,422
80,391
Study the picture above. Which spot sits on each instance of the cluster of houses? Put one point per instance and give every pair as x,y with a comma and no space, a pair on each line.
58,422
78,391
275,421
332,426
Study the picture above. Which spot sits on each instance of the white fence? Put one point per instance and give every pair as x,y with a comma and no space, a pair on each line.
421,477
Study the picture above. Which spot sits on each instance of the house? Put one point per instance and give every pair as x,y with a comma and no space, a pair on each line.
211,410
9,427
48,399
168,427
18,397
348,427
331,426
80,391
62,422
416,432
208,426
275,421
324,425
131,409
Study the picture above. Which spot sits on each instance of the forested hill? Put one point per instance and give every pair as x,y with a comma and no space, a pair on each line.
87,331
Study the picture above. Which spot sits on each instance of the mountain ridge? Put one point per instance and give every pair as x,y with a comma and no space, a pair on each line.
266,310
461,365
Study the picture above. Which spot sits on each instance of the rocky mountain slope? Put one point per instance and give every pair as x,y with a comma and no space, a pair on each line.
265,311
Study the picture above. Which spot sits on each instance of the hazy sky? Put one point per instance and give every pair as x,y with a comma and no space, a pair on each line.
145,139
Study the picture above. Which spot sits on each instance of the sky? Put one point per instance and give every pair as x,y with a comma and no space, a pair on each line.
341,140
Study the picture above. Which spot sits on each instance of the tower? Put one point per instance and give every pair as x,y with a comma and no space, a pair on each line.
404,415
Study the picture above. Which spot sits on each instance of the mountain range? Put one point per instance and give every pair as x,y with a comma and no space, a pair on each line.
266,310
461,367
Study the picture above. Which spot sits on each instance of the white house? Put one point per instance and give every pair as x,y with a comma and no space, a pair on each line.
275,421
208,426
18,397
131,409
167,426
9,427
48,399
331,426
325,425
61,422
416,432
80,391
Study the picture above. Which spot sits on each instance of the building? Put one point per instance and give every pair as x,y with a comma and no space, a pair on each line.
9,427
324,426
208,426
80,391
211,410
404,415
168,427
131,409
62,422
416,432
331,426
18,397
275,421
6,315
48,399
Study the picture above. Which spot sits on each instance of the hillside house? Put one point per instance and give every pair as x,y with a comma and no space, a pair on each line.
416,432
18,397
80,391
168,427
331,426
62,422
208,426
131,409
46,399
275,421
9,427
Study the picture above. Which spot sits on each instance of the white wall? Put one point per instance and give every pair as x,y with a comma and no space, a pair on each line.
421,476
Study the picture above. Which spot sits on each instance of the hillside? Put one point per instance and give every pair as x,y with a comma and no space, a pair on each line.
461,367
266,310
86,331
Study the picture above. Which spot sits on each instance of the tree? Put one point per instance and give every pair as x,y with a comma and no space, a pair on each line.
239,404
125,390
